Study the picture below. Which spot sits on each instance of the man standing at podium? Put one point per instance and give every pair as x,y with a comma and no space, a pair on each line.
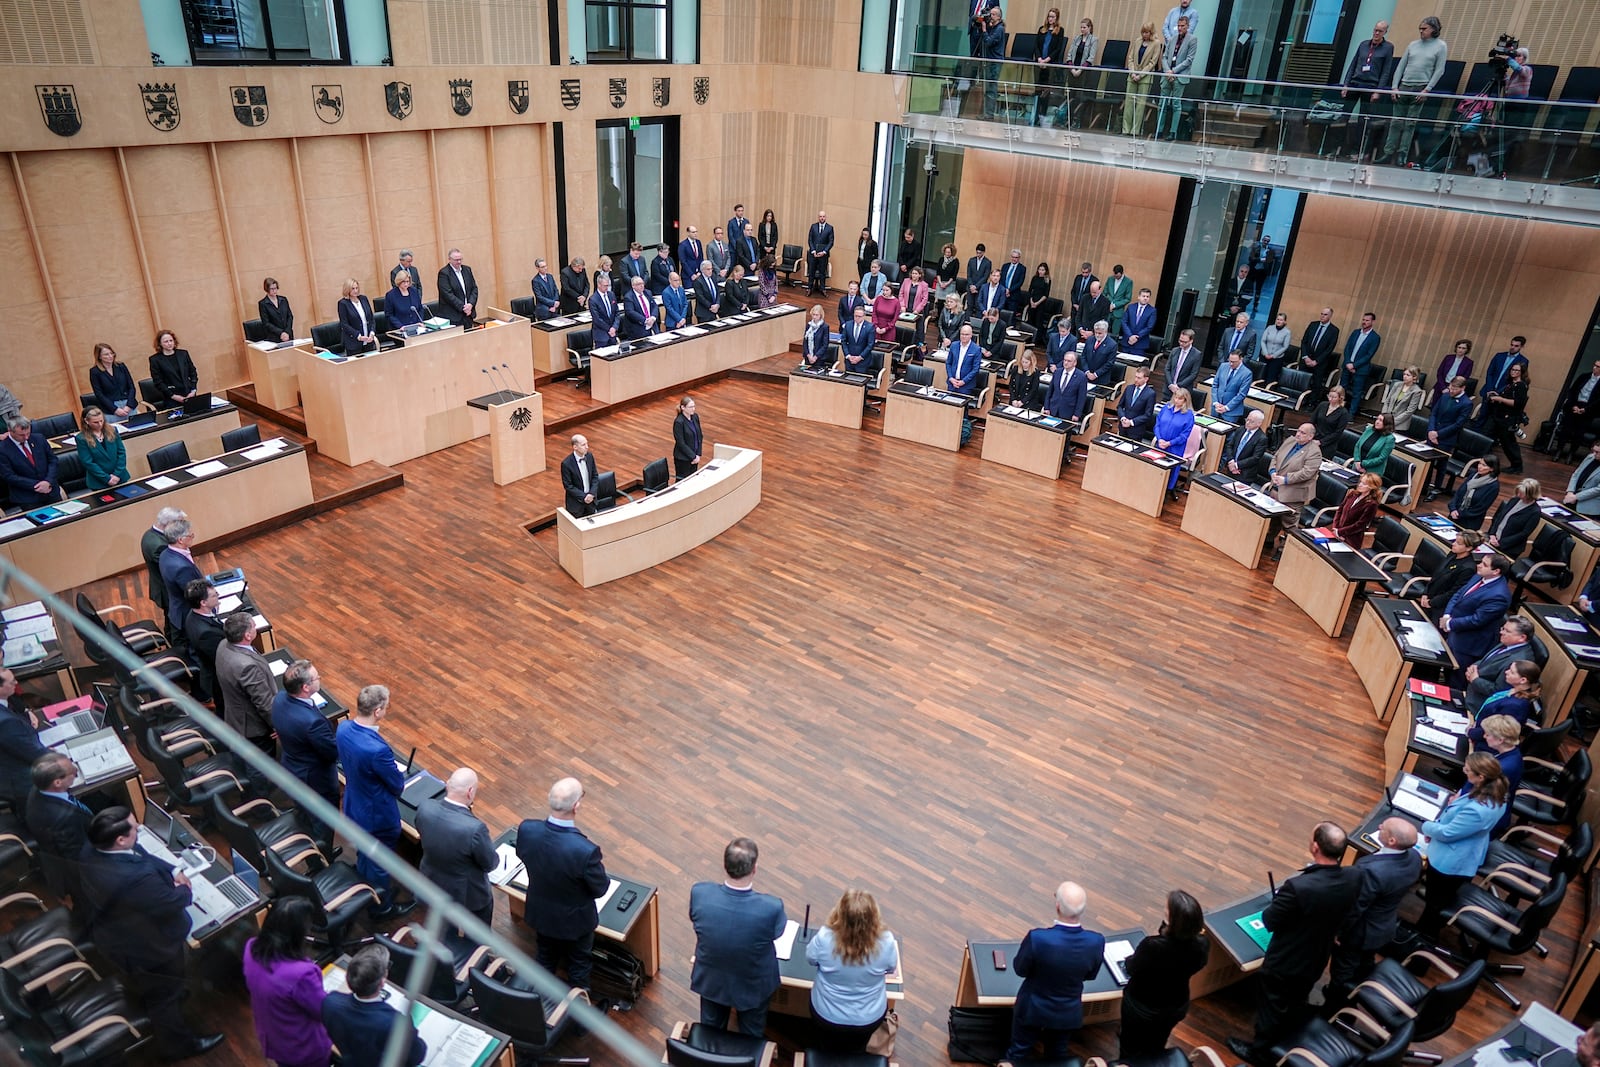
578,475
565,876
1054,962
458,291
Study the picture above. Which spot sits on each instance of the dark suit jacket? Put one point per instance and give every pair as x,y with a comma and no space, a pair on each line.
634,316
177,571
1304,917
661,268
690,254
736,298
456,852
1027,389
565,875
1189,372
204,634
819,238
1138,321
1252,461
1141,409
350,326
1080,289
62,831
546,296
978,268
859,342
1386,879
1449,414
361,1031
687,441
1100,358
151,545
1362,358
1054,962
574,287
706,296
306,745
1058,346
1492,672
173,375
372,781
137,916
1321,353
1475,616
20,476
1473,505
245,689
604,315
1069,400
1091,311
814,345
572,482
630,268
734,961
1518,528
277,320
19,745
454,296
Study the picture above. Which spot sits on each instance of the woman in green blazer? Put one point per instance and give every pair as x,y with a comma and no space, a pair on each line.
1374,445
101,451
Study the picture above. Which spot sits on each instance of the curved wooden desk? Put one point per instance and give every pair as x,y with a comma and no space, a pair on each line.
637,536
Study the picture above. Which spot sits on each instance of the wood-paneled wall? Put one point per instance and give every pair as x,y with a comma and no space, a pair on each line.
1434,276
1559,32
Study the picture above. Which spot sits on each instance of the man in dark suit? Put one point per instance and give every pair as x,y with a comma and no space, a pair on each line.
1061,342
707,295
1136,411
359,1021
373,784
1068,397
1014,279
574,286
859,344
457,854
1080,287
1092,308
579,473
407,265
1487,676
151,545
565,875
819,246
458,291
245,688
1319,345
638,311
1138,322
691,253
990,296
1183,361
1054,962
633,266
136,909
735,964
202,631
1358,355
1304,917
1472,618
1100,355
1239,338
58,821
178,570
28,466
979,268
962,363
19,743
1244,457
306,745
661,270
1450,413
1386,879
546,293
604,314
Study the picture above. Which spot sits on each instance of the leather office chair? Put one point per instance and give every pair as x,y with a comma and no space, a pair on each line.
791,262
919,376
144,636
1560,802
171,667
1544,745
256,330
190,786
979,401
815,1058
655,476
1487,924
606,491
1295,384
1548,563
87,400
150,394
19,851
243,437
70,475
442,982
1471,446
84,1022
579,344
517,1010
285,832
1345,447
523,305
698,1045
1330,494
1393,994
1412,582
328,336
167,457
1524,862
1319,1044
1377,381
1388,543
133,711
1397,475
37,945
56,425
336,892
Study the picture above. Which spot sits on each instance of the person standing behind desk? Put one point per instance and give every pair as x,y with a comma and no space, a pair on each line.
373,784
357,325
137,912
1230,387
1374,446
1244,456
1318,345
1136,410
854,953
458,291
707,295
814,341
1472,618
177,571
1068,396
457,854
1156,997
638,311
674,303
359,1021
306,745
1292,474
962,363
579,473
819,246
767,236
202,629
286,991
574,287
151,545
1459,568
245,688
566,874
173,371
1387,876
736,298
660,271
277,318
691,253
1138,320
1305,915
1515,520
687,442
406,266
735,961
1403,399
858,343
1458,838
403,304
1054,962
604,314
101,451
1358,355
58,821
112,383
1026,385
546,293
19,743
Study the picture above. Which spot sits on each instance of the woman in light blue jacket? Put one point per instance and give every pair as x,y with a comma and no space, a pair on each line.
1459,838
853,954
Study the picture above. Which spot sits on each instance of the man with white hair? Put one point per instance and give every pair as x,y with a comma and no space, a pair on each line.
457,854
1054,962
151,545
565,875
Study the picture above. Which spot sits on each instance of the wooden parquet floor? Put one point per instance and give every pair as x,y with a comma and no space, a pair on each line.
942,680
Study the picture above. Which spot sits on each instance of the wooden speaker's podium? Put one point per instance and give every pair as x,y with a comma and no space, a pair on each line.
516,433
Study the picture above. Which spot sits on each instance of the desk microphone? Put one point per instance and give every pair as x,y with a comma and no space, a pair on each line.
407,771
486,374
513,374
505,389
1272,885
805,926
499,388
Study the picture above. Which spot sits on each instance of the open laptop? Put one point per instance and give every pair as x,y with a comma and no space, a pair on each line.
198,404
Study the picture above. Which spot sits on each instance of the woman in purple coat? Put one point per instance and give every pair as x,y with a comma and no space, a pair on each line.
286,988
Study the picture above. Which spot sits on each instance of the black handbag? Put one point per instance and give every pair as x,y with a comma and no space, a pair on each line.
979,1035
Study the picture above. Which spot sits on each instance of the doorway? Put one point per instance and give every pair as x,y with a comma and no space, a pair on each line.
637,191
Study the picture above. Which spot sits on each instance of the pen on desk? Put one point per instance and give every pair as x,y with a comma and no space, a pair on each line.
805,927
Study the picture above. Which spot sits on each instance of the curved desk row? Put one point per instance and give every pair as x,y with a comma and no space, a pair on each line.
637,536
689,353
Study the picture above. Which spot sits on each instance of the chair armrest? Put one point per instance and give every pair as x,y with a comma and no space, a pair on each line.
1383,558
1434,959
23,897
1536,795
19,841
473,961
28,953
1519,873
1361,1024
70,967
626,496
102,1023
554,1016
112,609
1303,1053
1406,589
1547,765
1474,909
1320,517
1205,1056
219,772
306,853
243,809
1537,567
1391,996
1401,490
1522,830
350,894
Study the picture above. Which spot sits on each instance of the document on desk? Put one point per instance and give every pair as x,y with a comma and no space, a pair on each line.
1422,636
784,944
1337,546
212,466
1586,651
611,890
277,666
559,322
265,451
1117,953
1440,739
451,1042
507,866
1571,626
161,481
40,626
691,331
12,527
1448,720
31,609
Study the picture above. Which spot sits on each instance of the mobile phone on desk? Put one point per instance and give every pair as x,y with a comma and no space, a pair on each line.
999,958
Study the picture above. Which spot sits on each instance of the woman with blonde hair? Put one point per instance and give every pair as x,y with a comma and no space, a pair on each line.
1403,399
854,953
101,451
112,382
1143,60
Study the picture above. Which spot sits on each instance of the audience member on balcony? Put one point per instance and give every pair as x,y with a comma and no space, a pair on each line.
1142,63
1419,70
1049,51
1177,60
1369,70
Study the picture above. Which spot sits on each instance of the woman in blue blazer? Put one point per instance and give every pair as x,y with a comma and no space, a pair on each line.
402,305
1459,838
1174,424
112,383
358,325
1518,698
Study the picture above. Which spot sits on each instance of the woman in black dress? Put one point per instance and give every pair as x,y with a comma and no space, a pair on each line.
910,253
1156,997
1026,386
275,314
866,252
1038,293
767,235
1504,410
1329,420
949,267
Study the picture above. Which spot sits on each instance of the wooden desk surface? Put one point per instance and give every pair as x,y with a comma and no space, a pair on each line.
723,345
924,418
1118,470
834,398
1233,525
1027,445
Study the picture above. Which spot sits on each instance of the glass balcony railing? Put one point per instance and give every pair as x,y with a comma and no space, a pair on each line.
1479,136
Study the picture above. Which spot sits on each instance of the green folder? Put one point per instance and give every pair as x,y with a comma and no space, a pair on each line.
1256,929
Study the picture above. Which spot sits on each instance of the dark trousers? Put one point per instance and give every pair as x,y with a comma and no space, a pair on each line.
836,1037
160,987
1504,432
1025,1036
1350,965
321,832
684,469
1146,1029
1280,1009
817,272
576,952
752,1021
1438,893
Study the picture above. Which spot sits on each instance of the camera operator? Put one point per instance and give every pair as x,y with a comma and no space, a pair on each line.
1516,114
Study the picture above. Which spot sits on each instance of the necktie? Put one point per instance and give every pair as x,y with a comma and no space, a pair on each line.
1243,442
1177,364
1134,402
80,805
583,470
1316,342
1238,338
27,450
1473,588
644,308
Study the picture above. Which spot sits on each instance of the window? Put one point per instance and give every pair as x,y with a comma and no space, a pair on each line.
269,31
627,31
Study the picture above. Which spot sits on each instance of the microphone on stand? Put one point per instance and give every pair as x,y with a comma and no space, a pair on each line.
513,374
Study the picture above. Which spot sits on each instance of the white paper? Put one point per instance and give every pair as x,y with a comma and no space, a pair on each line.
599,905
1337,546
691,331
219,401
1587,651
1117,953
1550,1026
161,481
54,735
261,622
1412,804
15,526
451,1042
23,611
210,466
785,941
1571,626
1428,735
1422,635
558,322
41,626
278,667
228,605
508,866
261,452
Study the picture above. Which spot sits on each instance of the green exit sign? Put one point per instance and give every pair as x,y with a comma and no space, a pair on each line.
633,122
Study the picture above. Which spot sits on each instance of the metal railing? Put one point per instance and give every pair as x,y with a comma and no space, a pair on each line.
17,586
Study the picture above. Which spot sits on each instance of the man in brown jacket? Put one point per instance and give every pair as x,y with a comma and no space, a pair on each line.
1292,475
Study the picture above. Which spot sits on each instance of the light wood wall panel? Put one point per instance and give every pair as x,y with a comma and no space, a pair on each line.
36,371
339,219
402,182
462,159
521,195
1432,277
267,238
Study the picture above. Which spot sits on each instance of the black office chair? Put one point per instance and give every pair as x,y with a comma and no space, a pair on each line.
191,786
284,832
56,425
1377,382
1524,870
328,336
1487,925
445,983
336,892
818,1058
792,261
919,375
1547,564
1397,476
1559,803
173,668
698,1045
1412,583
70,475
1388,543
1330,494
1471,446
1345,447
243,437
516,1009
656,476
1393,995
579,344
1320,1044
167,457
150,394
37,945
144,636
87,400
524,306
606,492
1295,385
87,1021
256,330
1544,745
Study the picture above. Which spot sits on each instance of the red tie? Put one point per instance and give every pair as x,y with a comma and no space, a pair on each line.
27,451
1472,588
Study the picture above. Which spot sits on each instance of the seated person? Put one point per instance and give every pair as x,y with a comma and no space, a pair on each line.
1479,489
28,466
736,295
1026,387
859,344
359,1021
1244,456
173,371
403,304
1136,411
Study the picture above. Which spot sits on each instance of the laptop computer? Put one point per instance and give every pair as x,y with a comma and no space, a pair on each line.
198,404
